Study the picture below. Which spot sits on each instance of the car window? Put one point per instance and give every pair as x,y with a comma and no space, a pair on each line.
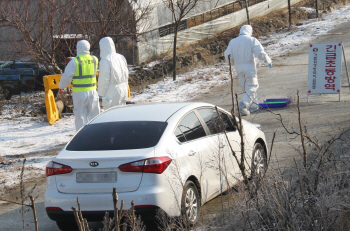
213,121
117,136
189,128
227,122
179,135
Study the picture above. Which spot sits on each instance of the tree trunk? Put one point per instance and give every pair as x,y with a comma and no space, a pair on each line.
174,51
246,8
290,14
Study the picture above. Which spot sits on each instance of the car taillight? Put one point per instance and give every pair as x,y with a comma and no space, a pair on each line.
151,165
53,168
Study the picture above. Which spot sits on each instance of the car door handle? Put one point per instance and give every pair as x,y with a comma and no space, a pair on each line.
192,153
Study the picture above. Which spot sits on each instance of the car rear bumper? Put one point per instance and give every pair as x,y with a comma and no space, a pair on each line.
68,216
94,206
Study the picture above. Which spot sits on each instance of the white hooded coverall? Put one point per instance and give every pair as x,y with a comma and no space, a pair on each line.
243,49
86,104
113,76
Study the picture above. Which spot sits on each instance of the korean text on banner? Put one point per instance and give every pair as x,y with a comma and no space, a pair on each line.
324,68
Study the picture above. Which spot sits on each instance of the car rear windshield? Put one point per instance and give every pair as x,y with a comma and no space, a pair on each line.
117,136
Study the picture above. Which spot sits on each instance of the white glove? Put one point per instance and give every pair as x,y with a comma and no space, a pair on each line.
108,100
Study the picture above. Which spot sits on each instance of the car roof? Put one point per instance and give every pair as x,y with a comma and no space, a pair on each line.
144,112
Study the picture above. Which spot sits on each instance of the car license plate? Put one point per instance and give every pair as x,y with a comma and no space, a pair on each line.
96,177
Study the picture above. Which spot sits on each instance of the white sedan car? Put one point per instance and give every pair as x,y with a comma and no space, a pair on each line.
172,157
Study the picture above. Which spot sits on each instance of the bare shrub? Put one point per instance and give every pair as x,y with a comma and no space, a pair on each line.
121,220
299,198
311,195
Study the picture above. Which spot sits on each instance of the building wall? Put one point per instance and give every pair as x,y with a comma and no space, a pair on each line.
7,49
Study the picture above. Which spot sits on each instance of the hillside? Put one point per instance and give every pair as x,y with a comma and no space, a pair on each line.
210,51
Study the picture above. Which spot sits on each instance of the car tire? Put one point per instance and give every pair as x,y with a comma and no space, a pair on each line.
67,226
190,204
259,162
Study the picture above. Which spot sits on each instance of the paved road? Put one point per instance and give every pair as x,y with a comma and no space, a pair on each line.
12,221
323,115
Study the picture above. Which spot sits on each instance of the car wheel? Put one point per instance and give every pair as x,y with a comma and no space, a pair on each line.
67,226
190,204
259,162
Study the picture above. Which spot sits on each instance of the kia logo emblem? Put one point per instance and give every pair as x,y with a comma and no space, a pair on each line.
93,164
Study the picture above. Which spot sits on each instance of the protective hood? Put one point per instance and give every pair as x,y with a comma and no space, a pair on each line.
107,47
83,47
246,30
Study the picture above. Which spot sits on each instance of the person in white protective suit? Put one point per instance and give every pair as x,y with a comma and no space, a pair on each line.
243,50
113,76
81,72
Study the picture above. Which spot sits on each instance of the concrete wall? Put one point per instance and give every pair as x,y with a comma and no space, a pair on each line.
162,15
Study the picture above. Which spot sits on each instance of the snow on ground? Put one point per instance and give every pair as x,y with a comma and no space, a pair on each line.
20,134
280,43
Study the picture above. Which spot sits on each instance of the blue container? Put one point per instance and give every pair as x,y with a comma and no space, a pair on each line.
268,103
